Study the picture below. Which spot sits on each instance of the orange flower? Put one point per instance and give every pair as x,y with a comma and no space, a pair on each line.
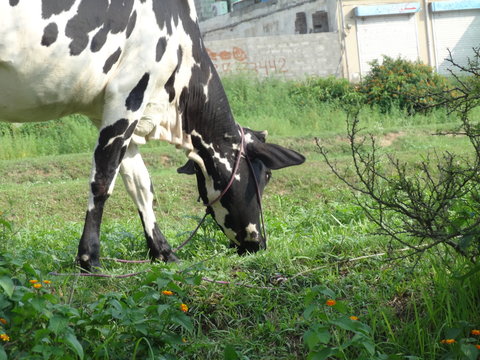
448,341
167,292
4,337
477,346
330,302
33,281
37,286
475,332
48,282
3,321
354,318
184,308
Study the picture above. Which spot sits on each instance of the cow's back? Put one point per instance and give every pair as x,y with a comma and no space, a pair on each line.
56,57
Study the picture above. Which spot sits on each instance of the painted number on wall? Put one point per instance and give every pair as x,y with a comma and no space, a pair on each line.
237,60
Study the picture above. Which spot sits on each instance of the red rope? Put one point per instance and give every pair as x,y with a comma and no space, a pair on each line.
124,276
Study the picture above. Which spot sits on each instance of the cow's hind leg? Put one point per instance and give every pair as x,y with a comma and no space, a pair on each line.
139,186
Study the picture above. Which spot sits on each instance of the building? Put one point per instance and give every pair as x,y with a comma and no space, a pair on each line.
339,37
423,30
250,18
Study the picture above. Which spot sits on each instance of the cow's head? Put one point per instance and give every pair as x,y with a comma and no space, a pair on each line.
237,211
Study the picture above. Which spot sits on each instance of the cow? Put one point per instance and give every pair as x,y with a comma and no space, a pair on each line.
140,71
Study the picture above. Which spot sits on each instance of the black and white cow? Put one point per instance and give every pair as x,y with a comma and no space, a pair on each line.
139,70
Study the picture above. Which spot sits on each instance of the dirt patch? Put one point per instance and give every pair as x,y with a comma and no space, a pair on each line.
381,140
390,138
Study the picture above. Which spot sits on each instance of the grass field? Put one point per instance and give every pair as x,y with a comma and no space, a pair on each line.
321,246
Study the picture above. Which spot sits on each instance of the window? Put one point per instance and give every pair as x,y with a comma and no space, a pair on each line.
320,22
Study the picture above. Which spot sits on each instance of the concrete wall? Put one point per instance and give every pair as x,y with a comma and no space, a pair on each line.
287,56
276,17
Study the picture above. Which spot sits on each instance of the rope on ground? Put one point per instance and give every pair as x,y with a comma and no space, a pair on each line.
345,261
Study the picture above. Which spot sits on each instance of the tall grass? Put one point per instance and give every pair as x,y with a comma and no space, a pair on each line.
270,104
72,134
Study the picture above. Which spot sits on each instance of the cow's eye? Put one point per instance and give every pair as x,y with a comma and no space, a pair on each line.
268,176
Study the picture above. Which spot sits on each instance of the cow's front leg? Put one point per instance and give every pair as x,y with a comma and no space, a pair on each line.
139,186
109,152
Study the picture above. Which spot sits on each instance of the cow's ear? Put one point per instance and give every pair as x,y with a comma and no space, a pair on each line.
188,168
274,156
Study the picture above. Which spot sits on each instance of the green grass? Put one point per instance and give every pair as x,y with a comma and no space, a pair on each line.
314,228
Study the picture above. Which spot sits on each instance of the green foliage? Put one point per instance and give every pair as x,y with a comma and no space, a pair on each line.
334,332
37,322
315,91
398,83
72,134
315,228
461,342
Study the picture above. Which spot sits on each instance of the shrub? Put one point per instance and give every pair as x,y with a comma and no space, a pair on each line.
324,90
36,321
334,331
404,84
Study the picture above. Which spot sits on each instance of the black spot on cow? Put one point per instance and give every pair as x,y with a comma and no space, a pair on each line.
206,115
116,20
108,155
135,98
161,47
129,132
179,57
14,2
170,84
99,40
131,24
111,17
112,59
50,34
170,87
90,16
168,10
55,7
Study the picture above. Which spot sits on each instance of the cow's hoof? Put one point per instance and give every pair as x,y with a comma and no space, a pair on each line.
171,258
87,265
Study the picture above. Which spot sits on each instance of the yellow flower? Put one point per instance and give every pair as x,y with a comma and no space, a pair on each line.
184,308
37,286
330,302
475,332
184,340
167,292
354,318
48,282
3,321
448,341
33,281
5,337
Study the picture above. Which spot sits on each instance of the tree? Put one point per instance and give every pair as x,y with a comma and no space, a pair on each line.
438,204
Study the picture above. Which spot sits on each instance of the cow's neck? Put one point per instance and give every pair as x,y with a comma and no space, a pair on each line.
214,133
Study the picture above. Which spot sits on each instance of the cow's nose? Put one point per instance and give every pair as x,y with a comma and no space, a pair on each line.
253,237
252,246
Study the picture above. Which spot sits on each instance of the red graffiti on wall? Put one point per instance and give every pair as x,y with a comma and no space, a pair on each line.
236,60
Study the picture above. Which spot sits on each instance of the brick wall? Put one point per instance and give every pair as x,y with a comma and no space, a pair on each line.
288,56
